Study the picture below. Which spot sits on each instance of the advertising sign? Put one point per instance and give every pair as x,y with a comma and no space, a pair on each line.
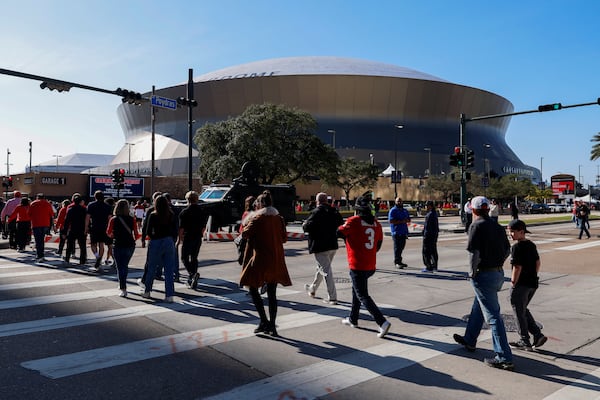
563,185
132,187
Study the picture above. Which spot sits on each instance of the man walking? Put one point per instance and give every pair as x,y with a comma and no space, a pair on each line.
431,231
363,235
192,223
321,226
41,214
489,247
11,227
96,221
399,218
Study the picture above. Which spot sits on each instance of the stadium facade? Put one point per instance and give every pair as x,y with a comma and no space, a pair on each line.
358,105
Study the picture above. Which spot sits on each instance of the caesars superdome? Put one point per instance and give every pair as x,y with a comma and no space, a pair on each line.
357,104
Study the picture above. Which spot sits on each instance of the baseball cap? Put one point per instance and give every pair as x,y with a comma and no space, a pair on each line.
518,225
362,203
478,202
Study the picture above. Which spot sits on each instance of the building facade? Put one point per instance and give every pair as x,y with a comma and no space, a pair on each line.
358,105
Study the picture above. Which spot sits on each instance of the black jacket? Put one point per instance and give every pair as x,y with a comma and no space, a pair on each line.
321,226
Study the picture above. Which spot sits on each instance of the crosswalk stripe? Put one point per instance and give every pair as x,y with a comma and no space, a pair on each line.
325,377
90,360
582,388
30,273
20,328
580,246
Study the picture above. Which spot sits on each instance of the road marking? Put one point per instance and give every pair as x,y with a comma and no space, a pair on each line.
587,387
105,357
326,377
42,325
580,246
30,273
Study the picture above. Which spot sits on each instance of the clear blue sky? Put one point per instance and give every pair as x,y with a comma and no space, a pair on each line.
532,52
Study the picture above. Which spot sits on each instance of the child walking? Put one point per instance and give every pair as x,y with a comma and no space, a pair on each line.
526,264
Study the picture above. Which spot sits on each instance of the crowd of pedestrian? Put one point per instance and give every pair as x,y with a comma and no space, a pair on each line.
113,230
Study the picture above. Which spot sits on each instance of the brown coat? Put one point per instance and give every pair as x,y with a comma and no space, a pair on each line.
264,259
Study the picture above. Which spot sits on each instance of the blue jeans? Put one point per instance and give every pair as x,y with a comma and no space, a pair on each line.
486,285
122,257
39,233
360,294
161,252
399,244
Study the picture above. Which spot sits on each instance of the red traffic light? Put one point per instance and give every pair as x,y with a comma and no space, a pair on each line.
457,150
122,171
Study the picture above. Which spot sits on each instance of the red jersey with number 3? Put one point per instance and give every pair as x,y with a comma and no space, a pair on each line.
361,242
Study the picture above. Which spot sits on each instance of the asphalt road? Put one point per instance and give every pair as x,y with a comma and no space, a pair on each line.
65,333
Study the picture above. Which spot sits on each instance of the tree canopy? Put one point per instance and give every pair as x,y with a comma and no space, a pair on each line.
279,139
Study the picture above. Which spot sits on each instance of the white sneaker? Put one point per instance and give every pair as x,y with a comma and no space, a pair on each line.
169,299
141,283
346,321
123,293
310,290
383,329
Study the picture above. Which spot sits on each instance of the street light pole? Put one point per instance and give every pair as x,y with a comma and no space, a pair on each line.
57,157
428,150
30,152
332,132
396,162
486,167
7,163
129,160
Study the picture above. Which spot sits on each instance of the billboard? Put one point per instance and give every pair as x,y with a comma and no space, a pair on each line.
133,187
563,184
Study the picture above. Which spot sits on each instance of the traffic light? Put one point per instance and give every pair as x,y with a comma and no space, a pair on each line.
56,85
550,107
470,159
457,159
129,96
121,175
9,181
115,176
184,101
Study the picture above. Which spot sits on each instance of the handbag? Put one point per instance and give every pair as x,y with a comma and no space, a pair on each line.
240,243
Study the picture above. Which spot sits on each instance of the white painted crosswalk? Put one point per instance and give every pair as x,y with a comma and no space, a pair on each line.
320,378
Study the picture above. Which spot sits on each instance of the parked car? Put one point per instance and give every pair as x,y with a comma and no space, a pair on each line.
539,208
557,208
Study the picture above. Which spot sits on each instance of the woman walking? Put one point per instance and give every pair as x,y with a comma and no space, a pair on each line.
23,220
264,260
123,230
161,248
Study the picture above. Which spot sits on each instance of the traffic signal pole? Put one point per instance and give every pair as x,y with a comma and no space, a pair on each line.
462,133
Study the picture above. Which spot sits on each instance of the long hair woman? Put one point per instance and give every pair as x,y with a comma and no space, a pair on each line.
264,259
161,249
123,230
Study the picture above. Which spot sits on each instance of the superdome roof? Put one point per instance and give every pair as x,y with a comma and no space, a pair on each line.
315,66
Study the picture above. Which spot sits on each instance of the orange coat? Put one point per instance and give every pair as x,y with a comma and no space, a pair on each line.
264,259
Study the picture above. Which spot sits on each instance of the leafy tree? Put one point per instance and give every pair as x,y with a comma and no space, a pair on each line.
509,186
595,153
353,174
279,139
539,195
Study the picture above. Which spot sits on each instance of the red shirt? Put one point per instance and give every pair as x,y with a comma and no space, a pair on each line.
362,241
21,214
41,213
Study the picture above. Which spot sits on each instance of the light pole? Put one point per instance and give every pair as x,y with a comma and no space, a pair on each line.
7,163
57,157
395,175
30,152
486,168
372,158
428,150
332,132
542,185
129,160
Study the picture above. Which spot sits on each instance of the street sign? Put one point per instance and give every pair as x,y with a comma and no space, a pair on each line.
164,102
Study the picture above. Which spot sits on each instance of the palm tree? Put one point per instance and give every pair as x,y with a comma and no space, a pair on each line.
595,153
